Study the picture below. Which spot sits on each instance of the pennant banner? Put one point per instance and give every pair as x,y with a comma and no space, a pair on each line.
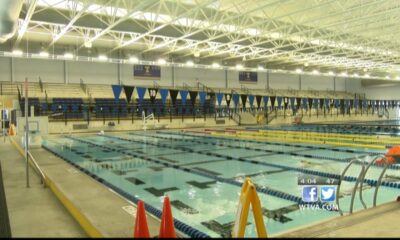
184,94
235,98
327,103
164,95
117,91
285,102
174,95
193,96
305,101
251,100
315,103
292,100
337,103
265,98
298,102
153,93
279,99
310,102
273,101
321,103
228,98
355,103
258,101
141,91
244,99
202,98
220,96
128,93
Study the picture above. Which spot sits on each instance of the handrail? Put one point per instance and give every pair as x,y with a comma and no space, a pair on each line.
42,175
363,177
236,117
355,186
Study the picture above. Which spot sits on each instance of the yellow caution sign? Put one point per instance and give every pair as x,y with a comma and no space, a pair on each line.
248,195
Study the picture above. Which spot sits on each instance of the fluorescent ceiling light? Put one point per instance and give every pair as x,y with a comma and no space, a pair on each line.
306,64
68,55
239,66
44,54
88,44
133,59
190,63
197,54
366,75
260,68
331,73
355,74
299,70
387,77
315,71
103,57
17,52
344,74
215,65
161,61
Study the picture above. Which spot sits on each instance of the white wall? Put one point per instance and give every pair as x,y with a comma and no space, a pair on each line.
379,93
107,73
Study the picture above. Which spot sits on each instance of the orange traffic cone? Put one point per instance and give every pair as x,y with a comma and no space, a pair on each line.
141,228
167,229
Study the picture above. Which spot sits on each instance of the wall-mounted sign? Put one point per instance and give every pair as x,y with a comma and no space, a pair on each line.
150,72
248,77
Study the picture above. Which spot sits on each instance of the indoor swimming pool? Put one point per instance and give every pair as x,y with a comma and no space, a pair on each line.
202,174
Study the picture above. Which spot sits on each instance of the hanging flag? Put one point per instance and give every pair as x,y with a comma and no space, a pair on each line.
258,101
321,103
128,93
228,98
356,103
298,103
310,102
285,102
326,103
184,94
265,98
153,93
220,96
141,91
315,104
305,101
273,101
279,99
202,97
251,100
351,103
164,95
337,103
117,91
292,101
235,98
193,96
174,94
244,99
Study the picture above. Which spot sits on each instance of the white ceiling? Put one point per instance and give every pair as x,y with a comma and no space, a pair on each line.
355,36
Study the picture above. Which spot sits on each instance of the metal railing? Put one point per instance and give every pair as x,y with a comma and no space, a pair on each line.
236,117
37,168
360,181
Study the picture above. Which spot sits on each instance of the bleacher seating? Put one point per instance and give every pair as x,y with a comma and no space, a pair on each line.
110,108
31,102
64,90
70,107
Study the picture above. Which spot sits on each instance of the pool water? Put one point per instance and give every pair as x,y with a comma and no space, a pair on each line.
202,175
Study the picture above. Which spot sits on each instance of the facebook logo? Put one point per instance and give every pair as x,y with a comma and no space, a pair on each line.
310,193
328,194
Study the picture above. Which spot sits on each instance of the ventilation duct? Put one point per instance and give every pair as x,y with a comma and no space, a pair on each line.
9,13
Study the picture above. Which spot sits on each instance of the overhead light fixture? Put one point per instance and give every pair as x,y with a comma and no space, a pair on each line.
103,57
355,74
88,44
298,70
190,63
161,61
215,65
239,66
133,59
17,52
398,77
315,71
244,58
68,55
387,77
44,54
331,73
366,75
365,70
344,74
306,64
196,54
261,68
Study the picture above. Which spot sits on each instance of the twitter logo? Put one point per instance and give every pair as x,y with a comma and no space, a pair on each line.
328,194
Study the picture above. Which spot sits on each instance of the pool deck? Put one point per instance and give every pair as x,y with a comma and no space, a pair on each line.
91,204
381,221
33,211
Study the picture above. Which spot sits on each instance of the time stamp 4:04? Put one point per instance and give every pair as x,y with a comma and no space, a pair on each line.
312,180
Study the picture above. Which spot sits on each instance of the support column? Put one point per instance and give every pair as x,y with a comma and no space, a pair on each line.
12,70
66,80
267,76
226,79
334,83
299,81
173,76
119,73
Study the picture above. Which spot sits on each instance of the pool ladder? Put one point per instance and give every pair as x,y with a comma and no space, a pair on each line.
360,181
